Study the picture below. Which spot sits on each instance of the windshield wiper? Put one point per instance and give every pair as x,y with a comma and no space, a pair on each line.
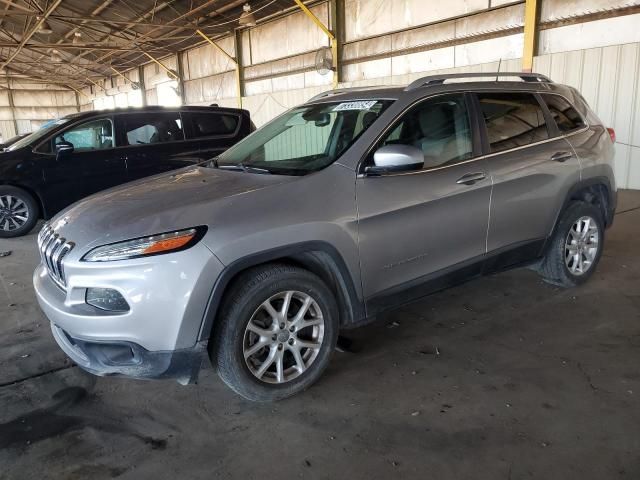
245,168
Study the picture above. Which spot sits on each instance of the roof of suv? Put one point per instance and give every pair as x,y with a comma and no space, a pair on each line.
154,108
438,83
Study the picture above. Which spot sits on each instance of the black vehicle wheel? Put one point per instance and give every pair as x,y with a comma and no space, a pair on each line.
18,212
276,333
576,246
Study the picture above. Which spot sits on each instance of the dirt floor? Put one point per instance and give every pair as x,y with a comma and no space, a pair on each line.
501,378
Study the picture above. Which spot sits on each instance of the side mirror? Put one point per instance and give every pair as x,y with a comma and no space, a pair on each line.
63,149
396,158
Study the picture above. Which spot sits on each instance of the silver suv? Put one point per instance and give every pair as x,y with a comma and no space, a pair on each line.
354,203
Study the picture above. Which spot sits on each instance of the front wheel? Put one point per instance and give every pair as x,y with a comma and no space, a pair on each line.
278,328
576,246
18,212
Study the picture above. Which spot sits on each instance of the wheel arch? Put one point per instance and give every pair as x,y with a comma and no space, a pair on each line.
597,191
318,257
34,193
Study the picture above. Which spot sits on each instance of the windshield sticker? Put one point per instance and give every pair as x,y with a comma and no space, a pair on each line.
363,105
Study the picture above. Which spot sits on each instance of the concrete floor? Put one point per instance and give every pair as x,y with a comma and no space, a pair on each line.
503,377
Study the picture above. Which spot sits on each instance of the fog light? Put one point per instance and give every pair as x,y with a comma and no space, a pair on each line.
107,299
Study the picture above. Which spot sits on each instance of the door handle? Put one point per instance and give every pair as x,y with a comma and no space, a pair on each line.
561,156
471,178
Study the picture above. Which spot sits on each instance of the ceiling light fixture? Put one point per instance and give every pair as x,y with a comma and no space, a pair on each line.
247,19
44,27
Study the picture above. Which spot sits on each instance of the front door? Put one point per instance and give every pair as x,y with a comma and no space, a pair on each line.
90,167
418,230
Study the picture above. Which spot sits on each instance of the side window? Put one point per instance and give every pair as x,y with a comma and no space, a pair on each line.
439,127
93,135
146,128
213,124
512,119
566,117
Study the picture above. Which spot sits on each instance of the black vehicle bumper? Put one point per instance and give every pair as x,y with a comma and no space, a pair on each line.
126,359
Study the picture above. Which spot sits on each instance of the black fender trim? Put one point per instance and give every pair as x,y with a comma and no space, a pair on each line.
352,308
610,203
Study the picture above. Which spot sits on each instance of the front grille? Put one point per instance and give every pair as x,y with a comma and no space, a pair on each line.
53,248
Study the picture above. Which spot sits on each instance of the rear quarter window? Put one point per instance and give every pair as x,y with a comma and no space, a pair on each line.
565,115
512,119
213,124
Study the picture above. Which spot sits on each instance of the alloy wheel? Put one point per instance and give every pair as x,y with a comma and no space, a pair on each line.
283,337
14,213
581,246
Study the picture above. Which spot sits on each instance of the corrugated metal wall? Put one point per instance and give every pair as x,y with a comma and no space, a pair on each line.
33,104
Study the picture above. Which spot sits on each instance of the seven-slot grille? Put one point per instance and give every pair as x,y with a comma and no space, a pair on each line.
53,249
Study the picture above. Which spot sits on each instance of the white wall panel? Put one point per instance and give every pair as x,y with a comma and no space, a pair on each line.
7,129
206,60
556,9
287,36
612,31
367,18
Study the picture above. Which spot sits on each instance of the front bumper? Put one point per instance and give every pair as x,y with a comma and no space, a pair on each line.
157,337
126,359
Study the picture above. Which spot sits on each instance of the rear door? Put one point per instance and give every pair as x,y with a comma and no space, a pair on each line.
154,142
93,165
215,131
425,228
532,170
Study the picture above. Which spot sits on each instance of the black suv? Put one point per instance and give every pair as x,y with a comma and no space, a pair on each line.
83,153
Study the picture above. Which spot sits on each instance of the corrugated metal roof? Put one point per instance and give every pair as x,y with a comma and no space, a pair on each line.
88,37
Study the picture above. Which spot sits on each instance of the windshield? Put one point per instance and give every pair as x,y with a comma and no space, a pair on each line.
38,134
304,139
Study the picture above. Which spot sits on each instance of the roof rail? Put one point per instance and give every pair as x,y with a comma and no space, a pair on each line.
338,91
440,79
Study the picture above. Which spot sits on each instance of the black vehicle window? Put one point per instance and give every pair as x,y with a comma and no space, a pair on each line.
567,118
92,135
512,119
149,128
212,124
439,127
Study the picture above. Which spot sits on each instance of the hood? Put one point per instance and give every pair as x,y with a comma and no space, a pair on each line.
163,203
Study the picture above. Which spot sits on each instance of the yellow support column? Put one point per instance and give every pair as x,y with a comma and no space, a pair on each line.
530,34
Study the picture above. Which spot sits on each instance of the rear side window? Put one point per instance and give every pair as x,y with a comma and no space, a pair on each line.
513,120
566,117
213,124
146,128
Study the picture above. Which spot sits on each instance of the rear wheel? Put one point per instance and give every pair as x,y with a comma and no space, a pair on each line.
276,333
576,246
18,212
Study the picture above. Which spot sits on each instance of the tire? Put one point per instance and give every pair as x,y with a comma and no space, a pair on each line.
246,326
18,212
560,267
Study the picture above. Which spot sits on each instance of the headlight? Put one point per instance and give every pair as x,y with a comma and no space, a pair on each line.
146,246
